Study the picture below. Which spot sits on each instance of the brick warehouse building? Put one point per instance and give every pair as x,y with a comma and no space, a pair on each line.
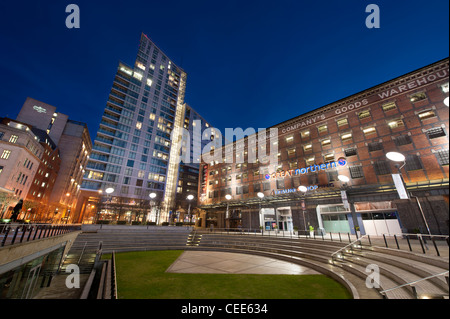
350,137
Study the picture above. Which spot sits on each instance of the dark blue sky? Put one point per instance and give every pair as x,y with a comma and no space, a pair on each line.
249,63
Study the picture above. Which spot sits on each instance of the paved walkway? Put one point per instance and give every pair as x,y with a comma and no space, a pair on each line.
234,263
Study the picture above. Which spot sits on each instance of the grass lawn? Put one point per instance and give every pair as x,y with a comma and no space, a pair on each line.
141,275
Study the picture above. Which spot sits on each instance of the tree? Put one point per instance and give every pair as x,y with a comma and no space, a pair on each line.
5,201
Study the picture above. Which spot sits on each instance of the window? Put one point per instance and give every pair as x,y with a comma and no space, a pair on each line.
351,151
130,163
416,97
427,114
444,87
13,138
395,123
364,114
280,183
309,161
322,128
266,186
326,142
369,130
375,146
307,147
305,134
389,106
313,179
291,151
256,188
442,157
342,122
238,190
289,138
413,163
382,168
5,154
403,140
435,132
346,137
293,165
329,157
356,171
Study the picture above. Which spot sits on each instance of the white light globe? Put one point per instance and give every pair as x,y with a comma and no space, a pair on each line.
261,195
395,156
302,188
109,190
343,178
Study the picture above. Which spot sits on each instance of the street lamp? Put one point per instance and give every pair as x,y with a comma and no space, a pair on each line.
189,198
343,178
303,189
227,214
261,215
108,191
152,196
446,101
400,183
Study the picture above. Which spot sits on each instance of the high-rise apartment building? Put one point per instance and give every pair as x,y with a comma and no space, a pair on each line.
133,154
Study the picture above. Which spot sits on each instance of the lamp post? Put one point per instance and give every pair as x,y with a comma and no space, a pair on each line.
303,189
152,197
227,214
108,191
261,215
400,183
189,198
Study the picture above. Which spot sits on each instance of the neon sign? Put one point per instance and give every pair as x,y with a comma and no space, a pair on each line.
305,170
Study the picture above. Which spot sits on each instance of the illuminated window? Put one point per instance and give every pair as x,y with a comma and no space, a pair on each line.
427,114
309,161
444,87
342,122
289,138
395,123
5,154
137,75
329,157
416,97
326,142
369,130
293,165
346,136
140,66
322,128
149,82
13,139
307,147
138,125
389,106
364,114
291,151
305,134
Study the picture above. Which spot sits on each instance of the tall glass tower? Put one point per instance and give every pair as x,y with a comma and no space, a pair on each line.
133,153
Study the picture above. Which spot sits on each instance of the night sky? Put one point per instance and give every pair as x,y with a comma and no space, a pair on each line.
249,63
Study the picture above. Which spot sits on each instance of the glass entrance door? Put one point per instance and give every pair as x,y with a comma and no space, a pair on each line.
30,284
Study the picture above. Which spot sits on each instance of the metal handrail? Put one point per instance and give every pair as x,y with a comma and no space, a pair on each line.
349,245
414,282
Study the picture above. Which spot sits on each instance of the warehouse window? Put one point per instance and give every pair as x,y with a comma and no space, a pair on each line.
442,157
419,96
280,183
389,106
435,132
395,123
375,146
356,171
382,168
342,122
413,163
427,114
346,136
351,151
364,114
322,128
403,140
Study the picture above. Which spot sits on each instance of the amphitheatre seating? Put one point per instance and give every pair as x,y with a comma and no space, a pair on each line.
397,267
